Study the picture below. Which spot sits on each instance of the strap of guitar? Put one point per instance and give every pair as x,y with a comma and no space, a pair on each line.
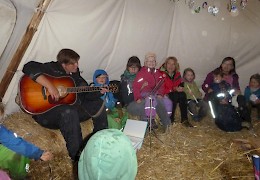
100,110
95,115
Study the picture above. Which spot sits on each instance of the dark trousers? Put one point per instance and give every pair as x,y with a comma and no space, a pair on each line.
199,108
179,97
67,119
243,109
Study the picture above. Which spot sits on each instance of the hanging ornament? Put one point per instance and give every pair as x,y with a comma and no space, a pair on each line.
191,4
197,9
243,3
204,5
213,10
233,7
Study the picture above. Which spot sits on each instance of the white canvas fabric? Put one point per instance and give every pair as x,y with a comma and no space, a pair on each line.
107,32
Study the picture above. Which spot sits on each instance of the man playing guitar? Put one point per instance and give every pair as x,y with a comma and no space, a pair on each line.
64,116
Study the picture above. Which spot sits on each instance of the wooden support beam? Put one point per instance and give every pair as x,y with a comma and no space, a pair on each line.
26,40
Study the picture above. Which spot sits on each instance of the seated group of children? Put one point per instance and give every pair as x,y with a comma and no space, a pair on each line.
146,92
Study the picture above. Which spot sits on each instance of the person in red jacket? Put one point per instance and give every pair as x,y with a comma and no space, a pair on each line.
148,85
173,86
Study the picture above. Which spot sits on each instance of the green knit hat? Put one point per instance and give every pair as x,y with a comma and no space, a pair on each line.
108,155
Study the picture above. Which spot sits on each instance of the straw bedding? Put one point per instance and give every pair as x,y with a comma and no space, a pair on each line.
202,152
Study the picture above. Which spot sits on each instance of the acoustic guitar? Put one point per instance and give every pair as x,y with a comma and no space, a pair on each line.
35,99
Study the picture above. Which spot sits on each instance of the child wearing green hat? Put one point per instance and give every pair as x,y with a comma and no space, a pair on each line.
108,155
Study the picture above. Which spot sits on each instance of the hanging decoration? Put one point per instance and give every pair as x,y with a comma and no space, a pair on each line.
191,4
197,9
233,7
213,10
204,5
243,3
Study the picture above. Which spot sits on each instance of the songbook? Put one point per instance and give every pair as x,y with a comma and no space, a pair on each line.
135,130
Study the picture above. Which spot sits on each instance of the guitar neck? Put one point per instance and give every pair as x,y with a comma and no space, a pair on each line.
82,89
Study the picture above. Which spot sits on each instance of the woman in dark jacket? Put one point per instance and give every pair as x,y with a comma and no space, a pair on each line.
228,69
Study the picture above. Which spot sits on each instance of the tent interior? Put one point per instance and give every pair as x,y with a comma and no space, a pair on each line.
106,33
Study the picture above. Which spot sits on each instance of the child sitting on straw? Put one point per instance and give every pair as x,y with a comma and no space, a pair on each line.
116,115
109,154
252,93
127,78
196,105
15,152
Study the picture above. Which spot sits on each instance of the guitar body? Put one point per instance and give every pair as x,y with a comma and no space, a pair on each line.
35,99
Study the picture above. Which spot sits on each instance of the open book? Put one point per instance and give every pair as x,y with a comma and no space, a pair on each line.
135,130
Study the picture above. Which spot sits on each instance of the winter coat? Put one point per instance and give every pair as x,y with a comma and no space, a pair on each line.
108,97
171,83
210,79
194,89
127,94
10,140
145,82
248,92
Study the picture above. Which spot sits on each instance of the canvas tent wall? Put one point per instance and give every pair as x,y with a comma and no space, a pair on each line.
107,32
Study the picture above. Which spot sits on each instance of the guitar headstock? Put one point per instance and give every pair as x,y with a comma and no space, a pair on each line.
113,88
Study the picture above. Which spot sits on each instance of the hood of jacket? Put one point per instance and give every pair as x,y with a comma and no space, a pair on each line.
108,155
97,73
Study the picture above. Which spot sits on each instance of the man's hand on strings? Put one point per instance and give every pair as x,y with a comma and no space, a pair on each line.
52,90
54,93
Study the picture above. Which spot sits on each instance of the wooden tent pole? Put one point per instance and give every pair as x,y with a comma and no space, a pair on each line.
26,40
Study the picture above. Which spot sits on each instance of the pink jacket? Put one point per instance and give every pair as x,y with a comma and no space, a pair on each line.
145,81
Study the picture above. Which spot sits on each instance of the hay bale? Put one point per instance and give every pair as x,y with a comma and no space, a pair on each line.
61,166
203,152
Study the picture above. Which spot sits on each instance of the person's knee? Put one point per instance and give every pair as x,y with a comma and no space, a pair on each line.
69,116
182,98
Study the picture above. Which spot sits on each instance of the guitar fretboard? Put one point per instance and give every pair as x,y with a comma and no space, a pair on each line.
83,89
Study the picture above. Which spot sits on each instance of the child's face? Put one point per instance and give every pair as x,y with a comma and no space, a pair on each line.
254,83
170,66
189,76
150,62
133,69
217,78
101,79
